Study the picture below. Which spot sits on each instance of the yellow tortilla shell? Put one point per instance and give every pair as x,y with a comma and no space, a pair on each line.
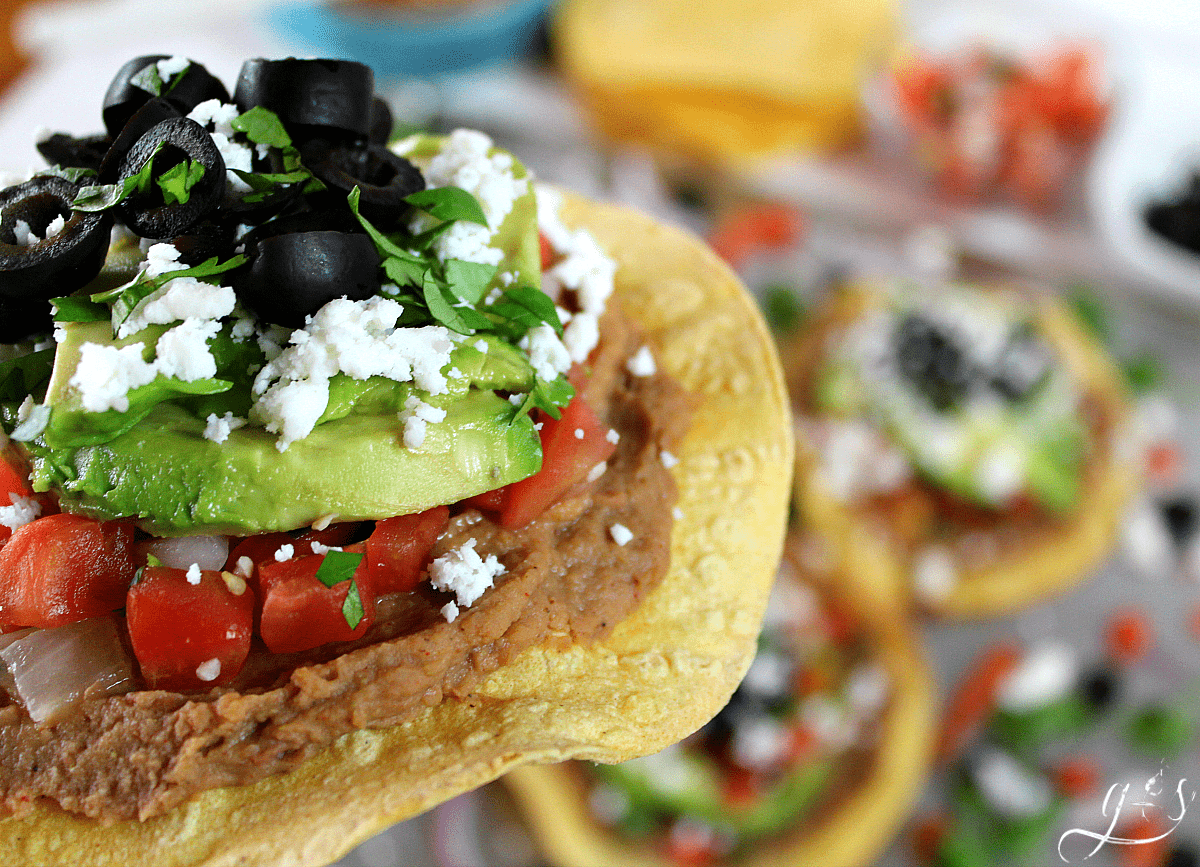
847,833
1047,565
660,675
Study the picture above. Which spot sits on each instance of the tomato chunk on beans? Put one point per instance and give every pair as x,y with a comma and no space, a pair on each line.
189,634
300,613
399,548
64,568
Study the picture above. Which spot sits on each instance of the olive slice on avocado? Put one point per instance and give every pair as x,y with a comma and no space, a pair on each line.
36,267
191,87
166,145
383,178
294,275
326,98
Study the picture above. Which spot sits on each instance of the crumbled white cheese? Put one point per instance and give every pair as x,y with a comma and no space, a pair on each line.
245,566
481,345
162,258
209,671
668,460
621,534
22,511
237,156
1008,786
612,436
867,687
579,434
677,513
1145,540
770,675
1047,672
181,298
547,353
597,471
193,574
319,548
172,66
450,612
106,373
285,553
358,338
220,114
759,743
641,363
23,235
466,161
218,428
183,353
464,573
1000,473
416,415
581,267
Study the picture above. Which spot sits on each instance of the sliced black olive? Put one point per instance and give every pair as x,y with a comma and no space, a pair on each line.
65,150
181,139
1023,365
381,122
292,276
383,178
1180,515
307,220
204,241
20,319
1182,855
328,98
53,266
187,91
150,115
1099,688
933,361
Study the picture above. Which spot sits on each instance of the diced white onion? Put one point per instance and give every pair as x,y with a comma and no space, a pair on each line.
53,669
180,552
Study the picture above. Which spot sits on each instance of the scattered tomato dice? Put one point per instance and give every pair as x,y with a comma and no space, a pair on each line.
399,548
63,568
299,612
189,636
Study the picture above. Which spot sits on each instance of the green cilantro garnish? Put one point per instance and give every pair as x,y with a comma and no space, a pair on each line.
124,299
449,204
352,608
101,197
263,126
148,79
72,308
151,560
338,566
176,182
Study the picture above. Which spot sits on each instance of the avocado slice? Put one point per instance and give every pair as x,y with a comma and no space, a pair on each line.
165,474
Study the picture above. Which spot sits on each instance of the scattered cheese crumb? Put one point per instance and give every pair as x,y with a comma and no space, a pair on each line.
612,436
620,534
416,415
547,353
318,548
579,433
218,428
668,460
1047,672
464,573
597,471
245,566
193,574
450,612
284,553
641,363
22,511
209,671
677,513
934,573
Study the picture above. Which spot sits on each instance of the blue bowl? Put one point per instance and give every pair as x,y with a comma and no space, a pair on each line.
412,44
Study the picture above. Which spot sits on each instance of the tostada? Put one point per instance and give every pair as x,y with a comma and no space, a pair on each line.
341,477
961,447
816,760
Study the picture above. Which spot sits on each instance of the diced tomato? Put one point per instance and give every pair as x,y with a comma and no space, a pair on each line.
399,549
547,250
741,787
1128,635
334,536
489,501
1077,776
571,446
927,836
260,549
975,697
189,636
63,568
12,481
300,613
691,846
761,227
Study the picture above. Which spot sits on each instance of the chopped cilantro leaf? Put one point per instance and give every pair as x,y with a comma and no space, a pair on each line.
262,126
338,566
73,309
176,182
352,608
469,280
448,203
148,79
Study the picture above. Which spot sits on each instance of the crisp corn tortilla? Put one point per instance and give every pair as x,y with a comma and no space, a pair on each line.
847,833
1045,566
724,82
659,676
